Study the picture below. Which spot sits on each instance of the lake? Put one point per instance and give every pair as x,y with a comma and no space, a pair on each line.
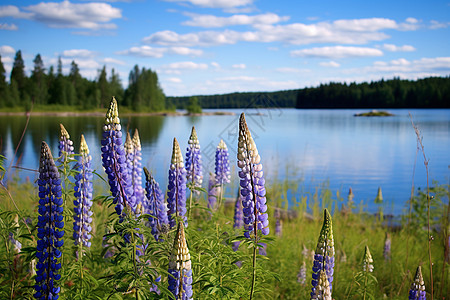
318,148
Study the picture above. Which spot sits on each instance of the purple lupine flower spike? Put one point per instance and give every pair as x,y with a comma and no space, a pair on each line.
180,271
136,178
213,191
65,143
252,184
129,155
387,247
417,291
301,276
322,290
50,228
176,190
238,213
83,193
114,160
278,223
155,206
222,167
194,161
323,257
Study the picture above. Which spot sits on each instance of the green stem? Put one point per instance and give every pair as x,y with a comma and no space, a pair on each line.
365,283
254,270
190,205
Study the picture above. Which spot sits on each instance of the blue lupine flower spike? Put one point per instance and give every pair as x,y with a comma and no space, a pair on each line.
222,167
129,156
155,206
323,288
49,227
417,291
114,160
65,146
83,193
176,190
137,168
194,161
180,271
252,184
387,247
324,256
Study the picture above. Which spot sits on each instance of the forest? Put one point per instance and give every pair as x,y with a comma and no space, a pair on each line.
47,87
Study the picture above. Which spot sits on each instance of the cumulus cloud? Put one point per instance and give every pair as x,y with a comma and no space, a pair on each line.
215,3
178,67
394,48
215,65
78,53
147,51
174,80
93,16
364,25
438,25
439,65
330,64
211,21
239,66
337,52
110,60
288,70
6,26
5,50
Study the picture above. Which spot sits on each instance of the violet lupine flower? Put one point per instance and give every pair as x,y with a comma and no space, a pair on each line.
65,144
114,160
367,261
387,247
222,164
176,190
417,291
323,287
213,191
324,256
136,177
155,206
193,164
83,194
180,271
238,213
278,224
129,156
301,276
252,184
50,227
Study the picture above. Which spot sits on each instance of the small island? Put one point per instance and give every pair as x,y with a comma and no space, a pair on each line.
374,113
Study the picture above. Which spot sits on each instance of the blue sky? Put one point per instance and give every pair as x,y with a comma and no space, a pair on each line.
222,46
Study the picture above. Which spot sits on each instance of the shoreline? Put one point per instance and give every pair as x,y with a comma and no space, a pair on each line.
102,114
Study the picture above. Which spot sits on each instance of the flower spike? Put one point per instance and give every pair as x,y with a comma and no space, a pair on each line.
367,261
50,227
194,161
324,256
252,184
417,291
136,177
222,164
176,190
65,146
180,271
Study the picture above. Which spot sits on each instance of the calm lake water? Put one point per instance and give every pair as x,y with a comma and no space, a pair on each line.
316,147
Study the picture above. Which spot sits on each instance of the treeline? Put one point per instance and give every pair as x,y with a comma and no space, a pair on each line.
433,92
50,87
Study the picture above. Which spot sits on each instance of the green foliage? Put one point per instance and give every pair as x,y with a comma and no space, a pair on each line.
193,107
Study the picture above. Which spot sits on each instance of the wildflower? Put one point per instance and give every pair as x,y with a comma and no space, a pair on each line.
50,227
136,177
238,213
417,291
213,191
387,247
324,255
129,156
180,271
155,206
65,144
301,276
323,287
262,249
194,161
222,164
252,183
176,190
278,223
114,159
367,261
83,194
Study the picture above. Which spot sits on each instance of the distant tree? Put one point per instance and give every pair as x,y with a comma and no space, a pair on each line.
18,75
4,90
59,68
115,86
103,86
38,86
193,107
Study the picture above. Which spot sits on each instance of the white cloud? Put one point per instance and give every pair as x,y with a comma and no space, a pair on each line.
174,80
65,14
147,51
210,21
438,25
215,3
239,66
215,65
78,53
7,50
110,60
437,65
365,25
409,24
337,52
394,48
177,67
288,70
6,26
330,64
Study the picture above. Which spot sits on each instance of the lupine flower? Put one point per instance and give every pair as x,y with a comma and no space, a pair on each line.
180,271
129,156
136,177
83,193
50,228
238,213
16,244
324,255
417,291
323,287
155,206
301,276
387,247
176,190
222,164
65,144
213,191
252,183
278,224
114,160
193,164
367,261
262,249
